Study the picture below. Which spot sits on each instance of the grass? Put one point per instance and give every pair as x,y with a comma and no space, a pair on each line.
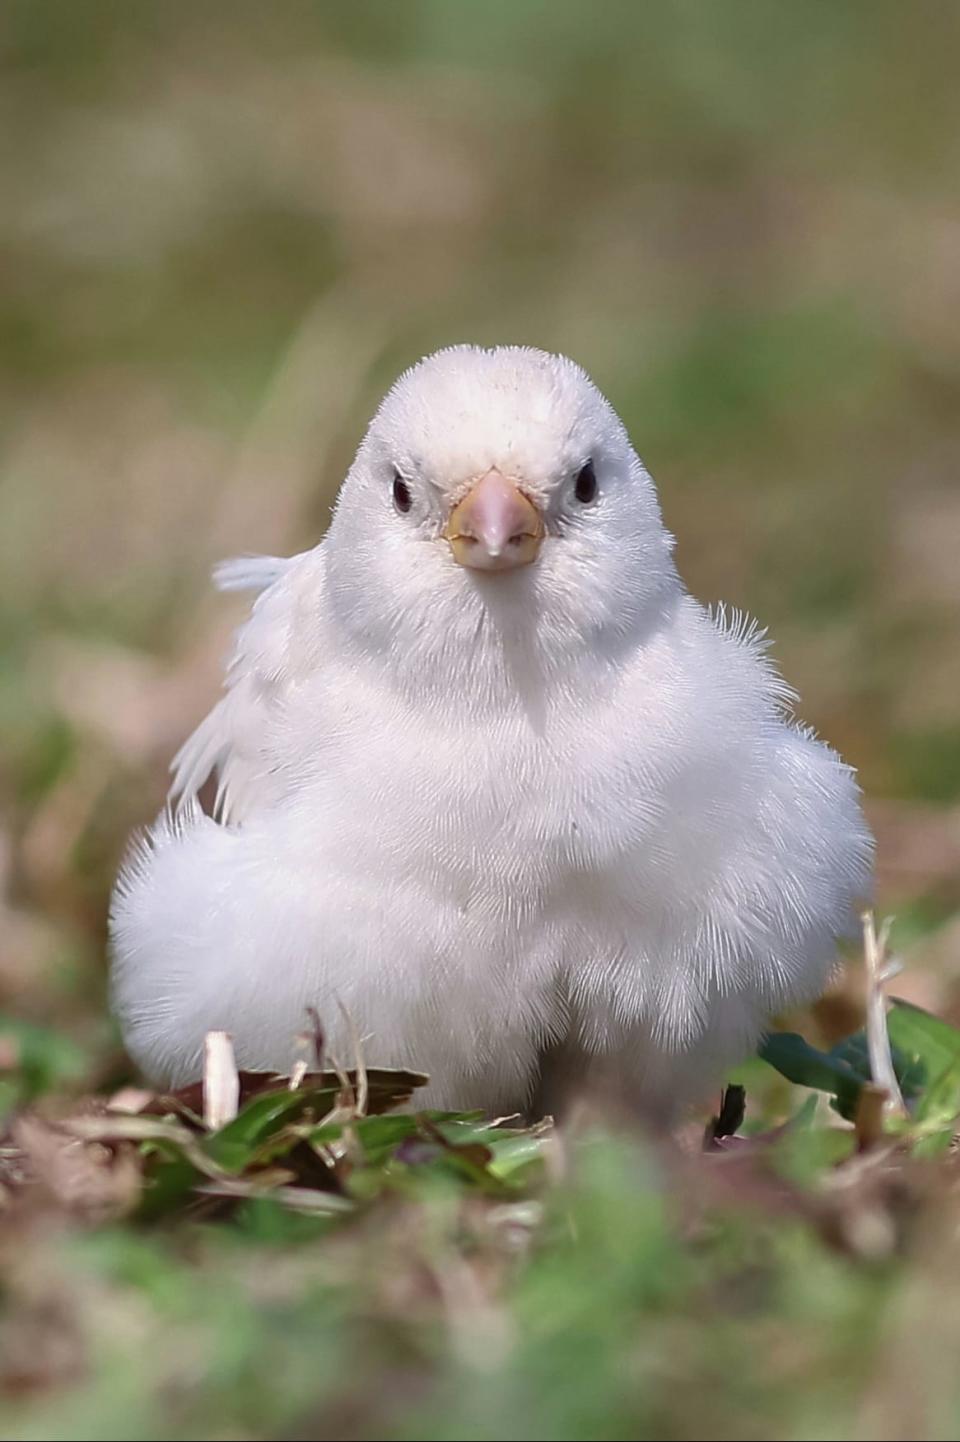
257,1257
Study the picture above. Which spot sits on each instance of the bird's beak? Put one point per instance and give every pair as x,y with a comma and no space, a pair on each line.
495,527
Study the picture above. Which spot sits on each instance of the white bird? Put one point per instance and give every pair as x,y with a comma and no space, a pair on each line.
491,784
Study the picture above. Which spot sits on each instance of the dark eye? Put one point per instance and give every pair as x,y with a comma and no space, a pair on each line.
585,489
402,498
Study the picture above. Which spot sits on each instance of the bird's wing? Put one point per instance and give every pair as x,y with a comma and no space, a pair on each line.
233,741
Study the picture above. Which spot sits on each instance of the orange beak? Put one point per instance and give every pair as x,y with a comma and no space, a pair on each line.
495,527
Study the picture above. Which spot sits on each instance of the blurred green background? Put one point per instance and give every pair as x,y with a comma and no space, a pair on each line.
224,230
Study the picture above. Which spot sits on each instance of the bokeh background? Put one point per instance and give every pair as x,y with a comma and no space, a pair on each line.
225,228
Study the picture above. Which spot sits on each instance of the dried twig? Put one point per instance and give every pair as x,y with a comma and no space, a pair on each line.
221,1081
315,1037
362,1088
879,971
868,1118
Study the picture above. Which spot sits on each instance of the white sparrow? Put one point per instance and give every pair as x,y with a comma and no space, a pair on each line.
490,782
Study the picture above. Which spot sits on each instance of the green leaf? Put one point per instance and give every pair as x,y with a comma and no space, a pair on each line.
379,1135
514,1152
935,1119
234,1144
511,1148
841,1072
935,1047
929,1042
242,1140
910,1070
802,1064
168,1184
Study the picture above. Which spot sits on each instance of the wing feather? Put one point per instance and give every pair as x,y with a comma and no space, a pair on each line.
232,741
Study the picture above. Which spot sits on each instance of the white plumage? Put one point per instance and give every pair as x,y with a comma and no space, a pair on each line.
490,781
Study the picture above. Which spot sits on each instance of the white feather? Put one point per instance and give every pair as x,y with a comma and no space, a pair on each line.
249,573
267,661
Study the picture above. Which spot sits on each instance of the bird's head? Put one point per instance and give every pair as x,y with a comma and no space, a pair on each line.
498,486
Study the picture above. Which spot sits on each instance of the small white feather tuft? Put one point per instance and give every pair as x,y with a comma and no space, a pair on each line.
171,826
249,573
746,632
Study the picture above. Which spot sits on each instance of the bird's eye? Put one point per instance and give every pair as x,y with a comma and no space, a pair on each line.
585,488
402,498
